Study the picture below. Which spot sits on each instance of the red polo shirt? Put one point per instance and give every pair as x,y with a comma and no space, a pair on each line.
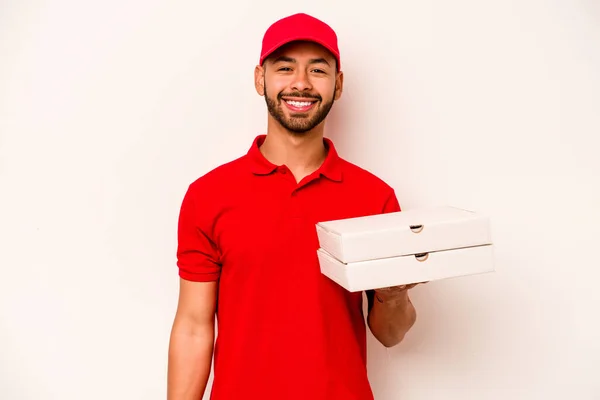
285,331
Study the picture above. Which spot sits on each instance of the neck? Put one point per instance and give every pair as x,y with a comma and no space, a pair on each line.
301,153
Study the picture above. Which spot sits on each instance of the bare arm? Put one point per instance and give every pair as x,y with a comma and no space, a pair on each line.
192,340
391,314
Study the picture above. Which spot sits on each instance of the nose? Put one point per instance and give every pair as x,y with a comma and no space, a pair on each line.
301,81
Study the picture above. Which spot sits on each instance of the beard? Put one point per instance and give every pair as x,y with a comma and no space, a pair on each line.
298,123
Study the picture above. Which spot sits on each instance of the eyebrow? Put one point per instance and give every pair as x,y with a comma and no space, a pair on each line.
293,60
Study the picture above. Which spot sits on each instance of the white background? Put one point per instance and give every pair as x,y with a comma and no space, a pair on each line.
108,110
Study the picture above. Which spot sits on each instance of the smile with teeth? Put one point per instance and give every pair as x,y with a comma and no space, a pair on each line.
299,105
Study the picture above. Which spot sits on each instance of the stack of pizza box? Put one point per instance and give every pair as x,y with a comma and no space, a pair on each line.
417,245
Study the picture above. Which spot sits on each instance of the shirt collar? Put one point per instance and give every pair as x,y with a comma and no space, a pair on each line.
331,167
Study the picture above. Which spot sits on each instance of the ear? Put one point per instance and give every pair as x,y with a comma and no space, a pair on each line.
339,85
259,80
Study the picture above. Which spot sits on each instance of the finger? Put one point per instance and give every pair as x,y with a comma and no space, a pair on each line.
392,289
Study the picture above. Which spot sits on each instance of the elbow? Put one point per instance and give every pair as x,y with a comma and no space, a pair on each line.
391,342
392,339
392,334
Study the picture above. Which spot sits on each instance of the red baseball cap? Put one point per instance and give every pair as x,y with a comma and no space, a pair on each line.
299,27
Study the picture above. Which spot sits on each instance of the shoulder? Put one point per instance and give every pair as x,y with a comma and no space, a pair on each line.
221,176
209,191
356,175
371,193
205,196
371,189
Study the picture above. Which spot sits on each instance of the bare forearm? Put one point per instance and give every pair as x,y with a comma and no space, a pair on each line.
190,357
391,318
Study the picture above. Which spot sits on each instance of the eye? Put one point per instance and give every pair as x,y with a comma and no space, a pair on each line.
284,69
319,71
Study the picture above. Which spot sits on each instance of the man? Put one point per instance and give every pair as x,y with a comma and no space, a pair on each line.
247,247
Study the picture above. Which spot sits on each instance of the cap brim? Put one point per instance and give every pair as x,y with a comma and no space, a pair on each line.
300,38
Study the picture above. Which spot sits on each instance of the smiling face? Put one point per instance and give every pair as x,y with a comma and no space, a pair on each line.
300,82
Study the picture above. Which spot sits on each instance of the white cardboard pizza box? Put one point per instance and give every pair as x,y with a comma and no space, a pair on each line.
401,270
415,231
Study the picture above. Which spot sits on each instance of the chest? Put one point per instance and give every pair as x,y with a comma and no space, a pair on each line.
271,221
273,213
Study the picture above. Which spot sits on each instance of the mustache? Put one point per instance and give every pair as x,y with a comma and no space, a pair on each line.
300,95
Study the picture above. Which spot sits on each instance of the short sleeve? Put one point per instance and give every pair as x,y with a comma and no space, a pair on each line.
391,203
197,254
